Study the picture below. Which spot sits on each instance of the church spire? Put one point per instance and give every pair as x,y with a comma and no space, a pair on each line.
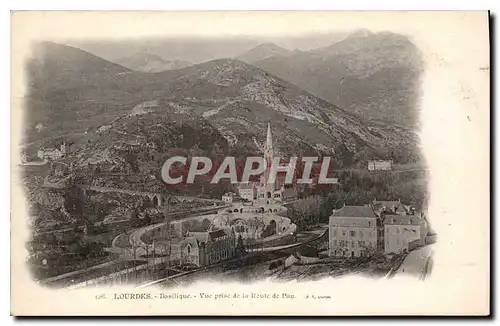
268,154
269,139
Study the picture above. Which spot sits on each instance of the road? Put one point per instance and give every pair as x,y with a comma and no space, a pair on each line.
48,184
381,171
417,263
319,234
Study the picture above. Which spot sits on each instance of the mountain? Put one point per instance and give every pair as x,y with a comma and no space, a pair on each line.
132,121
373,75
70,90
148,62
263,51
56,66
201,49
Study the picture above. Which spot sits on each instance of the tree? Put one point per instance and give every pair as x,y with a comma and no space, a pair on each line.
306,212
146,219
206,224
74,200
134,218
240,249
167,219
255,224
96,210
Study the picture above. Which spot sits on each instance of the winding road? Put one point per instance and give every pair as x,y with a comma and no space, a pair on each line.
418,263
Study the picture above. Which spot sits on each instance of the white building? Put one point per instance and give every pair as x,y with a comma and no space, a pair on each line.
55,153
247,191
264,193
49,154
380,165
228,197
401,230
355,231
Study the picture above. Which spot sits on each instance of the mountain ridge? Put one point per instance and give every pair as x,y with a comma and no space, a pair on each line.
226,98
373,75
263,51
149,62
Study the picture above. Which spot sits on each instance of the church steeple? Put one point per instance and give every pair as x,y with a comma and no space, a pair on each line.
268,153
269,139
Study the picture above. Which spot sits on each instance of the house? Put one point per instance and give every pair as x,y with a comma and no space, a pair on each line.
355,231
402,233
247,191
380,165
207,248
55,153
49,154
228,197
67,148
395,206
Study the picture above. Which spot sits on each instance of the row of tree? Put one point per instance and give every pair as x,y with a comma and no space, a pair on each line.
310,211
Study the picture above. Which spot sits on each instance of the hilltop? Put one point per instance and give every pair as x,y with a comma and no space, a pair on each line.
263,51
376,76
148,62
228,99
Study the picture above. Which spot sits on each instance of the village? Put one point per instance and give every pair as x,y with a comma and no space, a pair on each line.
260,229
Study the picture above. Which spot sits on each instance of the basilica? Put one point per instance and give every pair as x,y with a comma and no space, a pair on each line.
266,192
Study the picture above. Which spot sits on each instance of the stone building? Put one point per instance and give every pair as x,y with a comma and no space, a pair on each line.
248,191
380,165
55,153
207,248
403,233
49,154
229,197
355,231
265,192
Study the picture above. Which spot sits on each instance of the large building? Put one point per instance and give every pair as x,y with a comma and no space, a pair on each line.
212,246
403,233
200,248
382,226
248,191
49,154
380,165
265,192
55,153
355,231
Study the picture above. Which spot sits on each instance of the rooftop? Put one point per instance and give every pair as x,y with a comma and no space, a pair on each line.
388,203
355,211
209,235
402,220
214,235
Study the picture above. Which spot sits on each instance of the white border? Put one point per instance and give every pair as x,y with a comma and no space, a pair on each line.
184,5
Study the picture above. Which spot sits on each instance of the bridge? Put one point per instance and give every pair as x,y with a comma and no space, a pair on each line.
156,198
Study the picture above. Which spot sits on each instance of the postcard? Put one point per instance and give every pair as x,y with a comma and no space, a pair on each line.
271,163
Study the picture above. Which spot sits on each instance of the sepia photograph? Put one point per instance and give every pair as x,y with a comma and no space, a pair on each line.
248,159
